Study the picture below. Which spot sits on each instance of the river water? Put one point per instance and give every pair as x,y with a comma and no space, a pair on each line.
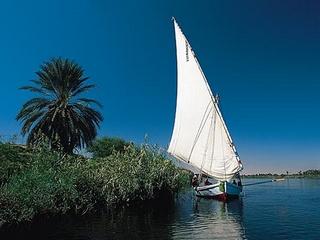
288,209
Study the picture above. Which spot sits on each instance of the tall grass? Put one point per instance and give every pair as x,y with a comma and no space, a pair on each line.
43,182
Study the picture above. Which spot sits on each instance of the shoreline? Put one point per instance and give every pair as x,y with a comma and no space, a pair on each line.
282,176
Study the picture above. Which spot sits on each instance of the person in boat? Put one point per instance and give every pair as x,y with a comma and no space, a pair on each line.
239,180
207,182
194,181
234,182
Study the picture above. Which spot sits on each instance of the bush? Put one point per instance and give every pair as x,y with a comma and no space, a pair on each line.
13,159
104,147
137,174
52,185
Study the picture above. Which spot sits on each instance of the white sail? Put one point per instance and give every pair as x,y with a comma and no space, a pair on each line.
200,136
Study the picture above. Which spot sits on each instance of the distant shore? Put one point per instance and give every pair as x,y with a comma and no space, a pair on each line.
306,174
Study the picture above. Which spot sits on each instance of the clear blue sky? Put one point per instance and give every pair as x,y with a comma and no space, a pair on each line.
262,57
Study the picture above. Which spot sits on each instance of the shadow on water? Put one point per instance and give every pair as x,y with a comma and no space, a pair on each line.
145,221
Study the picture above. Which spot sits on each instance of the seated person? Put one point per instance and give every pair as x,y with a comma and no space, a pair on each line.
207,182
194,181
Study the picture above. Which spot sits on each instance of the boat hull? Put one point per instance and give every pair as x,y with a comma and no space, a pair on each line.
222,191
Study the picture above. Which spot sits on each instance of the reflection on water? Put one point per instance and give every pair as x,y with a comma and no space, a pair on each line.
282,210
209,219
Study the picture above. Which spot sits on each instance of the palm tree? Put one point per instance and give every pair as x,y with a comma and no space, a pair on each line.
60,113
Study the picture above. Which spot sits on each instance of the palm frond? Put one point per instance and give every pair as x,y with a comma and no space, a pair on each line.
88,101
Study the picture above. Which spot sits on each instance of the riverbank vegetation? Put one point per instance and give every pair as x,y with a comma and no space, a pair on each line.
38,181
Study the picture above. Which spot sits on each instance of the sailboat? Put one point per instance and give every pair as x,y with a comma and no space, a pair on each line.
200,136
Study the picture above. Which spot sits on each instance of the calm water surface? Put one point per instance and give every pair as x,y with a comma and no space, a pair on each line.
283,210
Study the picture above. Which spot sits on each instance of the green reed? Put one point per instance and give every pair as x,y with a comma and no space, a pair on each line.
36,182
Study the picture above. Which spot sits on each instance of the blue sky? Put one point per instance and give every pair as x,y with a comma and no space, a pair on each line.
262,57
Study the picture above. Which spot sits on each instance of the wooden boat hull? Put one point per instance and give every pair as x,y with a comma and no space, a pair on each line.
222,191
